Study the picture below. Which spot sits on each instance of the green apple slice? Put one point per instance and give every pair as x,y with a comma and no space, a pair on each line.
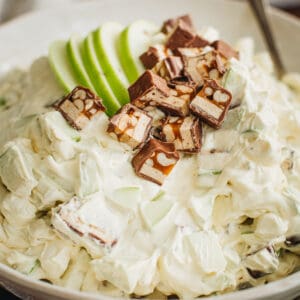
74,51
61,65
133,41
97,76
105,44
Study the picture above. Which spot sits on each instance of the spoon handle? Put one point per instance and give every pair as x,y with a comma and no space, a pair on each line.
259,10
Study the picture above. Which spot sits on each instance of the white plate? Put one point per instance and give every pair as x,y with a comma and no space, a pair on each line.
29,36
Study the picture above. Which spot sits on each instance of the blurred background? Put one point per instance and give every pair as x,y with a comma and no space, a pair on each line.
13,8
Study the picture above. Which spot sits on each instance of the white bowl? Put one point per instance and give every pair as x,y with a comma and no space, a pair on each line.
29,36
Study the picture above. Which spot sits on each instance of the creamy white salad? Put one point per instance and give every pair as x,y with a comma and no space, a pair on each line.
226,218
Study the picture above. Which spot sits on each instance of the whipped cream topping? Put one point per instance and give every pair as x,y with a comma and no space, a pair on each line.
74,212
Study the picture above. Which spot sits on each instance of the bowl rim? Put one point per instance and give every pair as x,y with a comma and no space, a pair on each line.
286,284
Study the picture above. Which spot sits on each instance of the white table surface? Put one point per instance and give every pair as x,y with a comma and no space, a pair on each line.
12,8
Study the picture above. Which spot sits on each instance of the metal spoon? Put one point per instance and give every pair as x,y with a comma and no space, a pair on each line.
259,9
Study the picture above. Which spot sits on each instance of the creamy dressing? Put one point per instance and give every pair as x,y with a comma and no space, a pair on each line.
216,215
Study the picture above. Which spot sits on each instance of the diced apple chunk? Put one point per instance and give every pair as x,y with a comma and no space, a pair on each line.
127,197
210,167
207,251
15,167
88,176
154,211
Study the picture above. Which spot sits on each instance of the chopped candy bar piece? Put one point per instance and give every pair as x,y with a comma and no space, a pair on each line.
261,262
170,24
156,132
156,114
154,55
175,105
152,90
185,133
89,223
181,37
189,51
155,160
80,106
225,50
194,48
130,125
170,68
184,85
211,103
198,42
178,103
185,89
292,241
158,117
207,65
148,89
